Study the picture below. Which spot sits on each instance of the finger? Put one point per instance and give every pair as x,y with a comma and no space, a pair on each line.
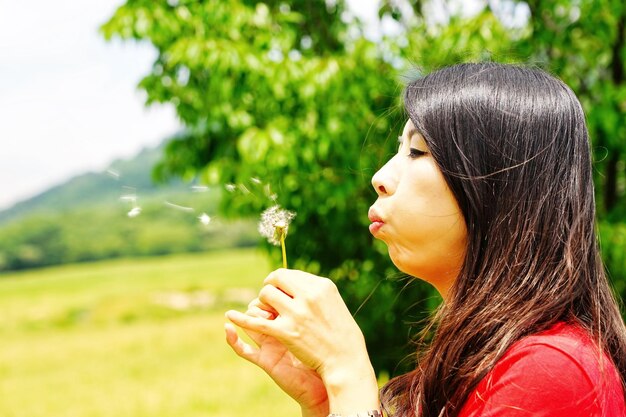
256,337
258,312
291,281
283,280
241,348
256,303
255,324
275,298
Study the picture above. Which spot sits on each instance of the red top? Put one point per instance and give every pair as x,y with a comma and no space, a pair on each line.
556,373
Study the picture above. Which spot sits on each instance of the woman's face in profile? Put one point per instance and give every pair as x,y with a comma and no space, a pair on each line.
416,214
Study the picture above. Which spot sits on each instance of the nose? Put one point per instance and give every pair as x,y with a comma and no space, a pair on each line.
383,180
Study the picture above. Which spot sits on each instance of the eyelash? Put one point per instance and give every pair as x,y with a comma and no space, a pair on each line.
416,153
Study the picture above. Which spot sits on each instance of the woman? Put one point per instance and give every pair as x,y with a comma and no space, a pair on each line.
490,199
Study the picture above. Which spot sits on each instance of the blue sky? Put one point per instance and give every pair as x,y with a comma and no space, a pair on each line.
68,99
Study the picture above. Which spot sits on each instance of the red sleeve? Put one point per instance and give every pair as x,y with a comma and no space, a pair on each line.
538,380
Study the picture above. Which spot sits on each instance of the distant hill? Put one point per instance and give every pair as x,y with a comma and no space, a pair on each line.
85,219
97,188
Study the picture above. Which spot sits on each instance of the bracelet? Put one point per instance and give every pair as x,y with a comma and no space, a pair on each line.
369,413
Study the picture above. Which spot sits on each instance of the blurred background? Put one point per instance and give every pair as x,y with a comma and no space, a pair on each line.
141,140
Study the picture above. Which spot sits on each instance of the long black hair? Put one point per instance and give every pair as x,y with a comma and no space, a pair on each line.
513,146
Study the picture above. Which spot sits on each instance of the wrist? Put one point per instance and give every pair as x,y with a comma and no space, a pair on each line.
351,391
321,411
369,413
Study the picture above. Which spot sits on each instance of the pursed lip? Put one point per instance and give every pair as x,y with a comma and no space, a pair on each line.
376,219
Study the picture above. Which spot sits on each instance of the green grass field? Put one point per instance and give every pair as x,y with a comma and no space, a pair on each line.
132,338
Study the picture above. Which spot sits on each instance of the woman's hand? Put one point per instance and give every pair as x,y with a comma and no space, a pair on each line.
312,322
300,382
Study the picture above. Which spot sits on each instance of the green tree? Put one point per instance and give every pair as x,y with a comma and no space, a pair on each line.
292,94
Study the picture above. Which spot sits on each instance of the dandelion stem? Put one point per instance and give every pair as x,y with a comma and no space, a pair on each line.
282,245
274,225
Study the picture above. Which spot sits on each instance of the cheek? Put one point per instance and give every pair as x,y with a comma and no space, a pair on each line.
428,238
436,255
431,234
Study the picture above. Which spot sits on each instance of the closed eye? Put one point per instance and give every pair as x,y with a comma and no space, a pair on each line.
416,153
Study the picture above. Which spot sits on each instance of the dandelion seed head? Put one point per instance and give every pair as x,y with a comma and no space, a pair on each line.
134,212
274,223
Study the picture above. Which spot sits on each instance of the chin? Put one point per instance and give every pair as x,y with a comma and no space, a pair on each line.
420,272
409,268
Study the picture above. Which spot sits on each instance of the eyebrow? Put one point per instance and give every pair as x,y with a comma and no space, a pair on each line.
412,131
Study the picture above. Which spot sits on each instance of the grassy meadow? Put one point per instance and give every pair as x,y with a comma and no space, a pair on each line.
138,338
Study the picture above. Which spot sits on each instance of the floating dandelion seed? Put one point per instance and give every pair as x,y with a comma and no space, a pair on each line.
205,219
177,207
268,193
134,212
244,189
274,226
132,198
113,173
254,187
199,188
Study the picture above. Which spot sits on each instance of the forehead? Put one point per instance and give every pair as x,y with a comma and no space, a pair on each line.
409,130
